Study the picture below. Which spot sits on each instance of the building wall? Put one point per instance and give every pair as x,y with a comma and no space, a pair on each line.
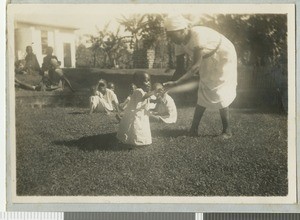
30,34
23,38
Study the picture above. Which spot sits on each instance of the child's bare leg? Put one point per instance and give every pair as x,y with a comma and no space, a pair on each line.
68,83
224,113
199,110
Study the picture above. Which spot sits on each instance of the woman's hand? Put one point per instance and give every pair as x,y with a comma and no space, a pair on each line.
170,84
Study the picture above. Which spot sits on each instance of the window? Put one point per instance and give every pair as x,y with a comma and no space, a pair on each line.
44,40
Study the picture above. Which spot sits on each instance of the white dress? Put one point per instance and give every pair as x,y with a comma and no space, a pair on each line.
167,110
134,127
218,72
102,103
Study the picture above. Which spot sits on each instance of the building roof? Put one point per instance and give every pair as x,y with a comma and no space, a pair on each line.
48,20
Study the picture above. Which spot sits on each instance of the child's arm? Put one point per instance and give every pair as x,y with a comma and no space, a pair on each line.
148,95
116,106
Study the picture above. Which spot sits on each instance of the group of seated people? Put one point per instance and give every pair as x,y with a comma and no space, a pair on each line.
53,77
104,99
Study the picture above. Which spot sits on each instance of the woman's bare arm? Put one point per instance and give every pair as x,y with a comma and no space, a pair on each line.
193,70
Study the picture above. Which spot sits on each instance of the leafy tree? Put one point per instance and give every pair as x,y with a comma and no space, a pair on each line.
135,25
110,45
259,38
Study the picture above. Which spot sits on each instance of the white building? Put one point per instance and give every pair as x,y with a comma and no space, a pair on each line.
40,36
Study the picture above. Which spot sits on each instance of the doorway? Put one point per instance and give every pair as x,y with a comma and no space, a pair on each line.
67,55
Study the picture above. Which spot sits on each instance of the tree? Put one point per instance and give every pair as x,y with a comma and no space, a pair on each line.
135,25
146,30
110,45
262,37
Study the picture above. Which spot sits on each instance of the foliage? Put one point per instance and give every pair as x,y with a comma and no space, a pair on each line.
84,57
259,39
153,31
110,45
135,25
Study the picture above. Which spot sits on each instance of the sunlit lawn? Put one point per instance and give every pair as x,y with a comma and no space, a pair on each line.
64,151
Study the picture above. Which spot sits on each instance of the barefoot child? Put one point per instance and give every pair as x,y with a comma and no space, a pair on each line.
103,99
134,128
165,109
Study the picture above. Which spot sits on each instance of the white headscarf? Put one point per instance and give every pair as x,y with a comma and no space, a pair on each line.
176,22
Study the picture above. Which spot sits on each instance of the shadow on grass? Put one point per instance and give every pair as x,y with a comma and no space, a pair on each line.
102,142
178,133
170,133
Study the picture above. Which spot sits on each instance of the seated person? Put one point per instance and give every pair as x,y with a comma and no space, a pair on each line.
165,109
59,72
32,64
103,99
111,86
125,103
53,76
20,67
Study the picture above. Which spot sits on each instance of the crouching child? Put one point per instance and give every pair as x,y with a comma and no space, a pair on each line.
103,99
165,109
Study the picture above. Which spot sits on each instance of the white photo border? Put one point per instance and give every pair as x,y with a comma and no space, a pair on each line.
186,204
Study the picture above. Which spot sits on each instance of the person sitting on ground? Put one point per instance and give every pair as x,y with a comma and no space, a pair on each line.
59,72
20,67
103,99
111,86
165,109
31,63
53,76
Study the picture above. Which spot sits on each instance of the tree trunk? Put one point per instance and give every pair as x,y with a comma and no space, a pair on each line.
150,58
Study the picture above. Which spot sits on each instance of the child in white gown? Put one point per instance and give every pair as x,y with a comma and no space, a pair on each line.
134,128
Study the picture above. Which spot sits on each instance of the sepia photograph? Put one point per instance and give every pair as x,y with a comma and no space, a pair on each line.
161,102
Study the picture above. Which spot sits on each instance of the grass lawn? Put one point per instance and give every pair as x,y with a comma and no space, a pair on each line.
64,151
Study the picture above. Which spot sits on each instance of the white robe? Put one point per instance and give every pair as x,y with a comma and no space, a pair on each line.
218,73
167,110
134,127
102,103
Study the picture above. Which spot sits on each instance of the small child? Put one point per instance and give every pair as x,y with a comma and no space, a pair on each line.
134,128
111,86
165,109
103,99
125,103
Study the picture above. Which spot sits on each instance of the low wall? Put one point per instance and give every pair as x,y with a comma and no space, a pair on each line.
84,79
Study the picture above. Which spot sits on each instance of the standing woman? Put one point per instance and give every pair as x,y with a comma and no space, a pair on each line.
214,59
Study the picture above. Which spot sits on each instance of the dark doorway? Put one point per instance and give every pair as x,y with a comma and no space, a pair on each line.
67,55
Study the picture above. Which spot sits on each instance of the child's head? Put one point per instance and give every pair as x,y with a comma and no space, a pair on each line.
102,85
159,90
29,50
132,88
142,80
111,86
49,51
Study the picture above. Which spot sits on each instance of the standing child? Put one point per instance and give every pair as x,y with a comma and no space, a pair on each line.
165,109
103,99
134,128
